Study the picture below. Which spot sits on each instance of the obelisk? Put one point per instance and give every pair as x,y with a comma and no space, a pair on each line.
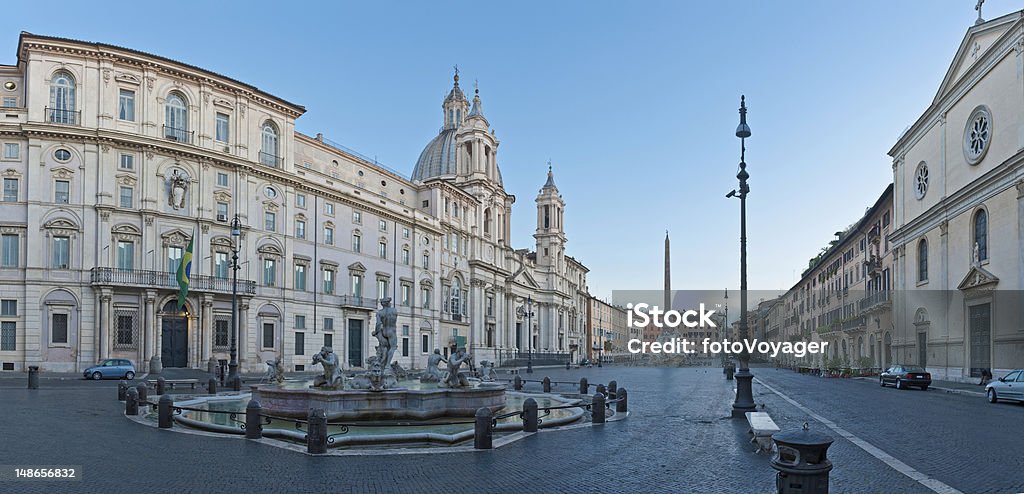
668,276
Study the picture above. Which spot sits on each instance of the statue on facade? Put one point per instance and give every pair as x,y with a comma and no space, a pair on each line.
387,337
332,376
179,185
456,379
433,374
486,370
976,255
275,370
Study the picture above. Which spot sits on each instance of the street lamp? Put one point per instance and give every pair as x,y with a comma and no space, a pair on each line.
744,392
600,350
236,234
529,326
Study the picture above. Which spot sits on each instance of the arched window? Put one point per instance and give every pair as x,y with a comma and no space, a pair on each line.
922,260
62,98
268,151
487,221
176,118
455,300
981,234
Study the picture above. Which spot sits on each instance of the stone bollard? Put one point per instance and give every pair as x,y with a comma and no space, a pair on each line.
484,429
600,389
316,434
131,402
612,388
142,393
211,366
584,387
161,385
621,406
164,411
122,390
547,384
211,386
33,377
597,411
236,383
517,383
530,420
253,423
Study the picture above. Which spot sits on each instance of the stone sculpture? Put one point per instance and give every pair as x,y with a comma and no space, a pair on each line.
179,185
433,374
486,370
385,331
398,370
456,379
332,377
275,370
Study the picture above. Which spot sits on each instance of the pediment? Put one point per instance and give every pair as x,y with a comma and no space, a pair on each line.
523,277
127,79
357,266
977,277
978,40
176,237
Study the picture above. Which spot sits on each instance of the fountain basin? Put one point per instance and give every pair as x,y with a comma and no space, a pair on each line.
389,404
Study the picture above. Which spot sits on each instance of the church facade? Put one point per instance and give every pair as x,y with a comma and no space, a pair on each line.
114,160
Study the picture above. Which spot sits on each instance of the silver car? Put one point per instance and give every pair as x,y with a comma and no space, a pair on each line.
1008,387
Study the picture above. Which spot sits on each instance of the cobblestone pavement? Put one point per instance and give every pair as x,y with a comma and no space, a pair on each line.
676,439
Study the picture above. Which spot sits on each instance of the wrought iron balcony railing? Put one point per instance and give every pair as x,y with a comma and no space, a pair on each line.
176,134
270,160
62,116
874,301
159,279
358,302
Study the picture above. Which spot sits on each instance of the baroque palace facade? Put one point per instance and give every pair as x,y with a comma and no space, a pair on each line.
113,159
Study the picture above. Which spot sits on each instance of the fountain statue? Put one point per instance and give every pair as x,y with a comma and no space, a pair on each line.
486,371
275,370
387,337
433,375
332,377
456,379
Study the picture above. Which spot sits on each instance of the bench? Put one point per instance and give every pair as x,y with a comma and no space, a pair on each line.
171,382
762,427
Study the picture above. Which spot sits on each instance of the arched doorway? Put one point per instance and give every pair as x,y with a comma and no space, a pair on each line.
174,336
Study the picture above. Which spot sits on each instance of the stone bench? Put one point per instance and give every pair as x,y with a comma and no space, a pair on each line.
762,427
170,383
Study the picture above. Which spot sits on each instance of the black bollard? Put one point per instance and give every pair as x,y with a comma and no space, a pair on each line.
529,367
236,383
142,393
612,388
131,402
597,411
316,435
547,384
530,421
567,365
584,387
600,389
122,390
33,377
211,386
484,429
164,411
517,383
161,385
253,424
621,406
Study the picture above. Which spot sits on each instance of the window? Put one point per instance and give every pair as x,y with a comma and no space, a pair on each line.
62,155
405,233
12,151
328,281
300,229
383,226
9,308
329,236
10,102
425,343
10,190
221,265
425,296
125,255
300,322
300,277
59,329
357,285
268,335
268,151
222,132
977,135
405,347
922,260
885,219
62,99
9,257
127,200
382,288
61,255
406,294
8,336
357,217
300,200
126,105
176,118
222,211
382,249
329,208
270,221
270,272
328,324
125,330
357,242
127,162
426,261
173,259
490,308
220,333
405,256
981,235
328,340
62,192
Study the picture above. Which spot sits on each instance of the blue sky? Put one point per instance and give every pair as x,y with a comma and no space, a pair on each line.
633,102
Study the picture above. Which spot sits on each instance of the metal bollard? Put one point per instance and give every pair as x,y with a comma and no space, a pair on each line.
33,377
316,435
567,365
164,411
142,392
253,424
131,402
529,367
236,383
612,388
622,406
584,387
530,420
211,386
161,385
484,429
600,389
547,384
517,383
597,411
122,390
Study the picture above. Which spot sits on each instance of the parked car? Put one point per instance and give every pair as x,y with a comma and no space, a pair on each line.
111,368
1008,387
904,376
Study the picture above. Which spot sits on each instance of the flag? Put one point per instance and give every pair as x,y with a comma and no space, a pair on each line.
185,272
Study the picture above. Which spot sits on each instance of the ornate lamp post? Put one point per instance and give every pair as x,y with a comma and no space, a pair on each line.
529,326
744,392
600,349
236,234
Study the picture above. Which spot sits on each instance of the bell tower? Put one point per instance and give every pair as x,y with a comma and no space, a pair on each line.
455,105
550,233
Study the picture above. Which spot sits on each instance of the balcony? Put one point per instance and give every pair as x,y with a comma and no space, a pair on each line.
855,324
271,160
358,302
65,117
876,302
158,279
874,264
179,135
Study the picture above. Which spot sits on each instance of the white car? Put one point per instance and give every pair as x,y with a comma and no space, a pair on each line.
1008,387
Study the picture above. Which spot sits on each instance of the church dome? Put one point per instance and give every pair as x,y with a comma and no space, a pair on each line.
438,158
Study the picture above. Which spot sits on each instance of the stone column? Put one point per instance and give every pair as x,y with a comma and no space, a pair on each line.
206,332
149,325
243,335
104,324
155,363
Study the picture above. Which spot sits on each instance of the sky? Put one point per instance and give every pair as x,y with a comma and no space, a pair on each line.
634,104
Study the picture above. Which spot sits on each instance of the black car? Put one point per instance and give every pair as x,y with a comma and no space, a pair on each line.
904,376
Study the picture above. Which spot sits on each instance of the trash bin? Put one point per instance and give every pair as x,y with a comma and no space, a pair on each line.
33,377
802,462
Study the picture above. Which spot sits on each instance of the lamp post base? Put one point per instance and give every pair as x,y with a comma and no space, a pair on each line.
744,394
